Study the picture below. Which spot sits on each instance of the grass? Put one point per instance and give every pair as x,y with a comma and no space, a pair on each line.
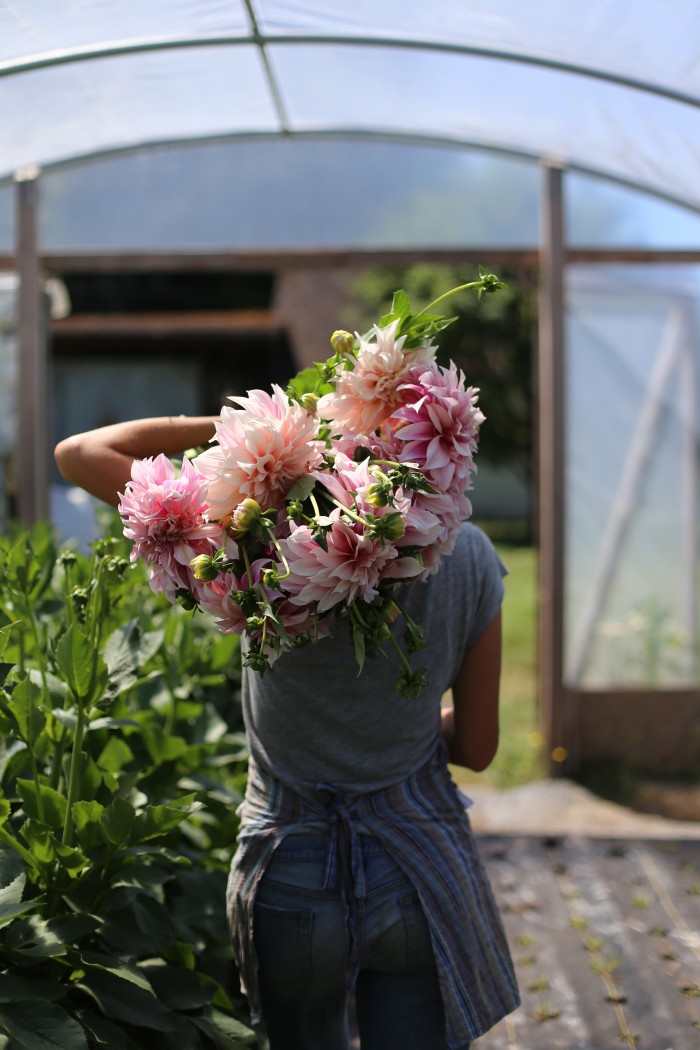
519,759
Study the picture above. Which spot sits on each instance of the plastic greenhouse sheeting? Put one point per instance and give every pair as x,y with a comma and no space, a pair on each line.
608,88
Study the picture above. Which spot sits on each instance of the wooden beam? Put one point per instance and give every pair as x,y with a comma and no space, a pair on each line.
33,436
269,261
209,322
555,717
264,260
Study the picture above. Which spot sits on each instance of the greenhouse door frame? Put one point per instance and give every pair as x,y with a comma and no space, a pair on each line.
655,730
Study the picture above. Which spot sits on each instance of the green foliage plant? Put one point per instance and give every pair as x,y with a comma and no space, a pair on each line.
122,762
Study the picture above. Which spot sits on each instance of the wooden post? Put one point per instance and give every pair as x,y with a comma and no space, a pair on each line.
32,450
555,717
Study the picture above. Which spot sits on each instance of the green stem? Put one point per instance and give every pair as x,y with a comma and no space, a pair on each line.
403,612
399,650
246,560
74,779
352,514
446,295
41,660
37,782
354,611
315,505
11,841
59,748
281,554
95,611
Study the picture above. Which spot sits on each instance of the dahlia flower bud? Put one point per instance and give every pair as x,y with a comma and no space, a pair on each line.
185,599
343,342
390,526
270,577
204,568
309,401
391,612
244,517
377,494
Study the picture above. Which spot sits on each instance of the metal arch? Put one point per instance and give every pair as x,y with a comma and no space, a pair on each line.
366,135
68,56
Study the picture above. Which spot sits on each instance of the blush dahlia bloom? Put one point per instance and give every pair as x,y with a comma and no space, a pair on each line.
439,424
351,568
216,598
448,511
365,397
263,447
164,514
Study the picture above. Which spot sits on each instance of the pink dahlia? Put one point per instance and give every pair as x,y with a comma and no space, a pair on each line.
365,397
216,598
263,447
165,516
449,510
351,568
349,482
441,423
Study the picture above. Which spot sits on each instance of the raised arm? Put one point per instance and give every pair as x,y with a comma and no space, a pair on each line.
99,461
470,728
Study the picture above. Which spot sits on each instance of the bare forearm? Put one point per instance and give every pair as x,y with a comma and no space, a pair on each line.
99,461
470,729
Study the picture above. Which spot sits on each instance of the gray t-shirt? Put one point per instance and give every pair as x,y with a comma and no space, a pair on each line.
311,720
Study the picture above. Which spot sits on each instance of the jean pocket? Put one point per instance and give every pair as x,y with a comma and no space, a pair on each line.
418,944
283,941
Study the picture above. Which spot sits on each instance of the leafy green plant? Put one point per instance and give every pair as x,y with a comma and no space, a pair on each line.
121,766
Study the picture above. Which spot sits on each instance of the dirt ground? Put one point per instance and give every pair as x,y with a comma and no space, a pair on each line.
563,807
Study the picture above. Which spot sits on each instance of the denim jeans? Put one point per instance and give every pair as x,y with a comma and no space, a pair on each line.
304,933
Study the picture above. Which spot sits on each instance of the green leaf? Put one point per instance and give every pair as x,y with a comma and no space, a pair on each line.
24,705
86,821
120,968
15,760
57,689
82,666
114,755
307,382
117,822
54,803
358,643
302,488
400,304
67,717
4,810
14,989
114,723
5,670
9,912
124,1001
36,1025
6,635
126,652
162,747
146,878
11,875
177,988
159,820
46,848
104,1033
38,838
226,1032
34,938
72,928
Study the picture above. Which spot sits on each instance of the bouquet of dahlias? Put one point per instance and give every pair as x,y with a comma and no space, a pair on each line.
312,503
